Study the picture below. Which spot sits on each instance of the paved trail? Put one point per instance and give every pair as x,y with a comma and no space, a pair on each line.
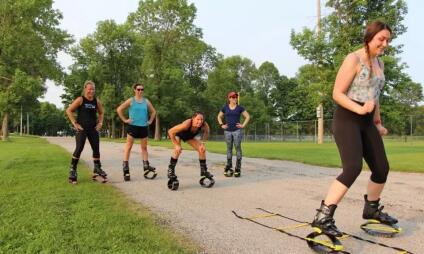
288,188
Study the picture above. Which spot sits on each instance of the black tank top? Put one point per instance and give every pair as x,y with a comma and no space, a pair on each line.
187,134
87,113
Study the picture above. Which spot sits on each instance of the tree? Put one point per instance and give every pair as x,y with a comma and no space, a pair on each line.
175,57
342,32
49,120
29,45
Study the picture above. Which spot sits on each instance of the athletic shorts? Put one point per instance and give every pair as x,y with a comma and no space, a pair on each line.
138,131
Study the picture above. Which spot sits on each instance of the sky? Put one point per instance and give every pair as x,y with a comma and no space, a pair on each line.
258,30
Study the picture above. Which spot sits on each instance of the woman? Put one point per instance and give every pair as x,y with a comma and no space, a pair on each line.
233,131
86,126
357,129
141,115
187,131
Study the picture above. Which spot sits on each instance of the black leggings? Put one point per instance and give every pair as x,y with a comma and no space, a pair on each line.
357,137
93,137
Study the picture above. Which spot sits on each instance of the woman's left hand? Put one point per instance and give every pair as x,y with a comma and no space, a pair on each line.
239,125
99,126
381,129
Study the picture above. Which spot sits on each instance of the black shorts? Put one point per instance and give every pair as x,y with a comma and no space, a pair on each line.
138,131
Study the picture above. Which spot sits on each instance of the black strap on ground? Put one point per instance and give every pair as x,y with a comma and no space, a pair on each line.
353,236
278,229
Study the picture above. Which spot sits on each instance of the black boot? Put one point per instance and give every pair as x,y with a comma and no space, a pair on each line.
73,176
149,171
173,181
373,211
126,171
325,222
228,171
98,171
237,171
204,169
147,167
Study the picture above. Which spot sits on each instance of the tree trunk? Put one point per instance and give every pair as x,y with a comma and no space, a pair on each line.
123,130
158,135
4,127
113,128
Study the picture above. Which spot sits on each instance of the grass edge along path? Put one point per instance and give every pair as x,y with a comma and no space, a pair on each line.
402,156
40,212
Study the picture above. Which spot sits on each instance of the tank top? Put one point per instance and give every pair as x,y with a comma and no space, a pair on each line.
87,113
188,134
365,87
138,112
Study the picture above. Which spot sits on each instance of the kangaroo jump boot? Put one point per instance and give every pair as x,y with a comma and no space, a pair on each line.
237,171
379,223
206,178
173,182
73,176
149,171
126,171
324,220
324,238
228,171
99,173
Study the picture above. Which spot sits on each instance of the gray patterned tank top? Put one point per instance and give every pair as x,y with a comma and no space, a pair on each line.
364,87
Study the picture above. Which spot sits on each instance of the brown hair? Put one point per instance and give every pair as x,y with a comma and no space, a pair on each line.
371,30
137,84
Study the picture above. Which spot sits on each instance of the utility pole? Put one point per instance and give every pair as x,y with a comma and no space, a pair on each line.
320,108
27,128
21,121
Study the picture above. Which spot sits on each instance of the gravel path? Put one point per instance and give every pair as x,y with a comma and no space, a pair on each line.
289,188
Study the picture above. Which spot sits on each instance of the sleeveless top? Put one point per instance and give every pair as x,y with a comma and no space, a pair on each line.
365,87
138,112
87,113
187,134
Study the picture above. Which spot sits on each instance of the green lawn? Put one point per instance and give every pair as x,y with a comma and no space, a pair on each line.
403,156
40,212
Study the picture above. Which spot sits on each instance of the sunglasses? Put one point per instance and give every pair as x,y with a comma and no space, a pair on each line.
140,89
234,97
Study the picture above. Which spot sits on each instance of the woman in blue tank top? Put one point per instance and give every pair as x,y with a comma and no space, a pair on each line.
141,115
233,131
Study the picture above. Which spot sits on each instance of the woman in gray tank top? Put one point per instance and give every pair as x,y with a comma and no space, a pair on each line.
357,129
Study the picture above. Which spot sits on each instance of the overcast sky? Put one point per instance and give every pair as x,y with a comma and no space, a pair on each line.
258,30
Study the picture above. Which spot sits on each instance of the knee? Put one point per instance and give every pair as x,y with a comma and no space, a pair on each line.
380,176
349,174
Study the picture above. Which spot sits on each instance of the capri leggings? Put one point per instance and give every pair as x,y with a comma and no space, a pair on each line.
93,137
357,137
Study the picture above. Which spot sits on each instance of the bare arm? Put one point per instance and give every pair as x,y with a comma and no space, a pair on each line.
100,111
152,112
70,112
344,79
206,131
120,110
178,128
246,118
220,118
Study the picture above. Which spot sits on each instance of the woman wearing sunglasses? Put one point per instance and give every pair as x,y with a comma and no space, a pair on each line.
233,131
141,115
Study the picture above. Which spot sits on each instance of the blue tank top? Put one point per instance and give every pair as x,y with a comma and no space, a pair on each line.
138,112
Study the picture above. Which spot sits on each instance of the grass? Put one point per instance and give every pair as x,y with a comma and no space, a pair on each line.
403,156
41,213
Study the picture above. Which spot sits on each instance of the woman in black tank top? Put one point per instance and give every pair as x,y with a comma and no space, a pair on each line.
187,131
86,125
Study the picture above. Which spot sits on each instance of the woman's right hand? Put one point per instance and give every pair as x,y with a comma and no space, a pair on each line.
77,127
368,107
128,121
224,126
